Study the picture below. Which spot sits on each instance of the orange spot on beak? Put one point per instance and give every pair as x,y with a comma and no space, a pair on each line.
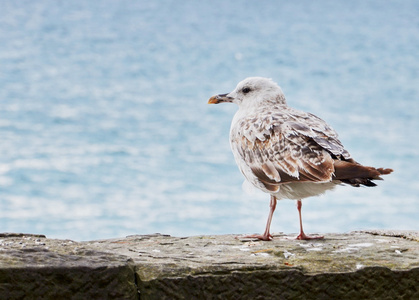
220,98
213,100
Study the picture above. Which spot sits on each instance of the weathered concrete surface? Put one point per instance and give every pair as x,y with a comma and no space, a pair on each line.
33,267
361,265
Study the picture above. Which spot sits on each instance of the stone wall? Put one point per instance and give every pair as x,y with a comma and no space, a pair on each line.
356,265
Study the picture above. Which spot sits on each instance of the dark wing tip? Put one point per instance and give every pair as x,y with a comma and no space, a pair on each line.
355,174
357,182
384,171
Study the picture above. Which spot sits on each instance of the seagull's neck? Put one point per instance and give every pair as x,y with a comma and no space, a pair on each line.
241,113
254,107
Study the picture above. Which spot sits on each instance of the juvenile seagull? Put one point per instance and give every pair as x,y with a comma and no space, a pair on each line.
287,153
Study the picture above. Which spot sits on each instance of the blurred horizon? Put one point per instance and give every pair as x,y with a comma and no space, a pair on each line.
105,128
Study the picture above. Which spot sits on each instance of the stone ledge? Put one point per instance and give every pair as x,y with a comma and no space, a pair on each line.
367,264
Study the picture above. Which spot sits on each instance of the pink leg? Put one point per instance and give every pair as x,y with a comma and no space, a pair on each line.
302,235
266,236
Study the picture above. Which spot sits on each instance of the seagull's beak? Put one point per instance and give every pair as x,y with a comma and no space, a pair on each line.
220,99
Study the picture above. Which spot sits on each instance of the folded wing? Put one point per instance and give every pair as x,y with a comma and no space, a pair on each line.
293,146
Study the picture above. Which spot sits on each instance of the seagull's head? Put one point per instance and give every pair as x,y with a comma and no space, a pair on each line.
252,92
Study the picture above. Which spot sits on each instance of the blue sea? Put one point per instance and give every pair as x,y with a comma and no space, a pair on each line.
105,129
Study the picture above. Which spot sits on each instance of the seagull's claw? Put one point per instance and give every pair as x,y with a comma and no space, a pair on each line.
303,236
262,237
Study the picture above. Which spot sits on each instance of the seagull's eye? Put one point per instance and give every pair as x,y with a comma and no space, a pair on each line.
246,90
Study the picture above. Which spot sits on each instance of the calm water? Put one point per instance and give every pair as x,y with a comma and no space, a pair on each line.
105,130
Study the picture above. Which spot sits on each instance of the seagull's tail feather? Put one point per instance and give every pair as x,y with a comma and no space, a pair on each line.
356,174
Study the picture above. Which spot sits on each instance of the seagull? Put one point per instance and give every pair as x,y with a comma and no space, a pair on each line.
285,152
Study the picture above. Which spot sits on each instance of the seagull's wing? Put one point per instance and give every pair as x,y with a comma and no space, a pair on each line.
317,129
286,146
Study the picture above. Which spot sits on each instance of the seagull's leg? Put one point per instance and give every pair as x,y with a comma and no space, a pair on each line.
266,236
302,235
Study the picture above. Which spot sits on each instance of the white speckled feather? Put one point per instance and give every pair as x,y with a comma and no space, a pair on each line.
275,145
286,152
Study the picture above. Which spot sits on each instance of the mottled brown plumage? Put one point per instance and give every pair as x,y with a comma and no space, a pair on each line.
286,152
